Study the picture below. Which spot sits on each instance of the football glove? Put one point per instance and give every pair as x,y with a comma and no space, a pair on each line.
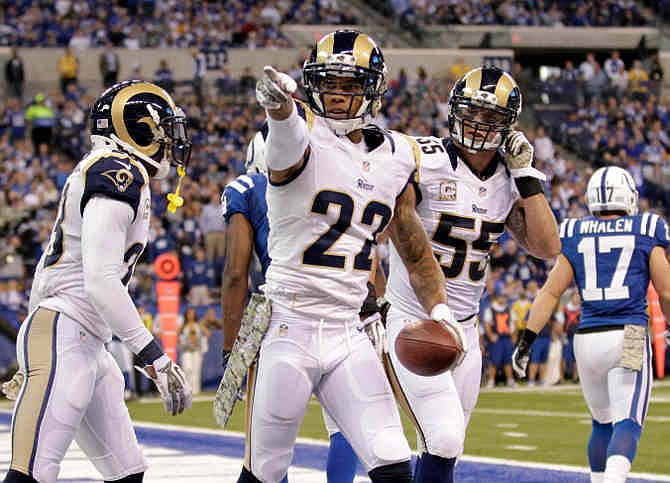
171,383
274,88
12,387
521,354
442,314
376,331
519,154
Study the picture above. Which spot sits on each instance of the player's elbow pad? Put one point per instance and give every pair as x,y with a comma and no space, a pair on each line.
286,142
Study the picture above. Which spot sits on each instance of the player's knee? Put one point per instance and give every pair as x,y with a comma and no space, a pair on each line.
390,445
14,476
393,473
247,477
446,442
136,478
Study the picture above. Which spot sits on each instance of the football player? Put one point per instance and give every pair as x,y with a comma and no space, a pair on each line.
73,389
471,186
245,210
611,256
334,184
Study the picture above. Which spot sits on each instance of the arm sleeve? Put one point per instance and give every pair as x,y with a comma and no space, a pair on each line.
104,226
286,142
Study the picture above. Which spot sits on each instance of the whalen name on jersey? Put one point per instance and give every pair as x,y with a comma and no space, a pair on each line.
591,227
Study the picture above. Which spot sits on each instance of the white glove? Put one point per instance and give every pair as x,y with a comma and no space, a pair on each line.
171,384
12,387
274,88
376,332
442,314
519,154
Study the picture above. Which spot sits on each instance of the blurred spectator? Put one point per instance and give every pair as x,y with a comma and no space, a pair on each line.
192,348
41,119
638,80
200,276
655,70
498,327
458,69
544,146
210,320
68,69
247,80
199,70
14,75
214,228
164,76
572,313
613,64
108,62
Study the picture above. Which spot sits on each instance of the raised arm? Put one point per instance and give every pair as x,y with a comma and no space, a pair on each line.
287,145
542,241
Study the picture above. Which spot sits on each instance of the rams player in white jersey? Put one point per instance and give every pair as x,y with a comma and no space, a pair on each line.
334,185
471,186
73,389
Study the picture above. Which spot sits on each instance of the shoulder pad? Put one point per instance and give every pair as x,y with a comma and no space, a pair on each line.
234,198
115,176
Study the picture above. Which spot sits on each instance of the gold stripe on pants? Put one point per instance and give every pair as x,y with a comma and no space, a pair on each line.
251,387
400,396
40,359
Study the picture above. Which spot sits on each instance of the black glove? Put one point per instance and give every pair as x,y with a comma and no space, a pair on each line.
521,354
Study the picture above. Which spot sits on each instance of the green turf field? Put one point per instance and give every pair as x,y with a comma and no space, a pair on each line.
506,424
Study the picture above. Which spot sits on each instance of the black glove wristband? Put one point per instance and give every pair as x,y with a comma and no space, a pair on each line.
150,353
526,340
528,186
369,306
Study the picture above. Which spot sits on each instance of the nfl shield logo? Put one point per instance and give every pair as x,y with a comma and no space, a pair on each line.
283,328
366,166
482,191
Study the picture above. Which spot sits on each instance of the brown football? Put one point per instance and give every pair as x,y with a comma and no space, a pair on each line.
427,348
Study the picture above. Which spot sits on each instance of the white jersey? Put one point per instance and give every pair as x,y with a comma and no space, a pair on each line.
59,277
463,215
324,220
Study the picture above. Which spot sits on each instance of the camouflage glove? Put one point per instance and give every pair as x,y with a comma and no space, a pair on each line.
274,88
519,154
12,387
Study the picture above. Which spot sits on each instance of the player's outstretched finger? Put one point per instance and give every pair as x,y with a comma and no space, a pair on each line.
271,73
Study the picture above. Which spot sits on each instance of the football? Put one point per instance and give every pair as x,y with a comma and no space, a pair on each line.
427,348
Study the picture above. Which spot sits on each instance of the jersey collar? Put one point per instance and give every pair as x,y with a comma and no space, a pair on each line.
486,174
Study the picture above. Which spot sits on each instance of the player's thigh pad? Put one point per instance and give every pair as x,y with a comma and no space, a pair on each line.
611,392
59,356
432,403
358,397
106,433
286,372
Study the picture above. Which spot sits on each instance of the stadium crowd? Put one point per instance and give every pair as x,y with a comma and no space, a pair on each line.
152,23
603,13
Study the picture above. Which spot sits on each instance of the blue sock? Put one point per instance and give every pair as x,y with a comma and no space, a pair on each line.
624,440
126,380
434,469
285,480
598,443
342,461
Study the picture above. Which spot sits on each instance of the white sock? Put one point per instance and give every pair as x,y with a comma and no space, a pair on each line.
617,469
597,477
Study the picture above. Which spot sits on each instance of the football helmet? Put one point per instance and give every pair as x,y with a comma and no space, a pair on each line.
255,162
345,54
611,189
484,104
143,120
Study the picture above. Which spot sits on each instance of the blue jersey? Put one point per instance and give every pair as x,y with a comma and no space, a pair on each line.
610,259
246,195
